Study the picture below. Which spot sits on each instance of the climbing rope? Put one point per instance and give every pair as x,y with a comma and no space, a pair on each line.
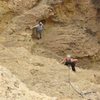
78,92
70,84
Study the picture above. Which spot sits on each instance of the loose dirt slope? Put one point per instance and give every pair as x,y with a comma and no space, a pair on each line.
12,88
45,75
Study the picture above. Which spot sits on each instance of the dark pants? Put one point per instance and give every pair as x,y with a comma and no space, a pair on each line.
39,34
71,64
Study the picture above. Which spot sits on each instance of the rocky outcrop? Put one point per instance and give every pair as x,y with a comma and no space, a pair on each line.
79,16
71,39
20,6
43,75
12,88
28,19
96,4
79,26
70,27
77,21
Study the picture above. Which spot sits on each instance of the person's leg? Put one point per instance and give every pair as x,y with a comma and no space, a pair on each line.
67,64
40,35
73,66
37,34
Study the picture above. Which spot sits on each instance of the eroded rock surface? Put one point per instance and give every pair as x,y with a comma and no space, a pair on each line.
12,88
70,27
45,75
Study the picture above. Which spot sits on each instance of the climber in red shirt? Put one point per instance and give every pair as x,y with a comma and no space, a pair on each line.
70,62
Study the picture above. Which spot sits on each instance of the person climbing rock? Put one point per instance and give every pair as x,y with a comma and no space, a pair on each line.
39,29
70,62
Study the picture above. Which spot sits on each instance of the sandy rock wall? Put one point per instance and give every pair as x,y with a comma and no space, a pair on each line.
81,11
28,19
20,6
5,15
25,13
79,15
12,88
43,75
74,28
83,14
97,7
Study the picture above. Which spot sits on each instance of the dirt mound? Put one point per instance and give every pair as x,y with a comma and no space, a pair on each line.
12,88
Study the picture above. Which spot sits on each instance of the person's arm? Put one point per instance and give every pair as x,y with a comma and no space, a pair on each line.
35,26
63,60
32,27
74,60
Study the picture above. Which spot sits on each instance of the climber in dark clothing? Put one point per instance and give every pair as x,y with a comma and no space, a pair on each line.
70,62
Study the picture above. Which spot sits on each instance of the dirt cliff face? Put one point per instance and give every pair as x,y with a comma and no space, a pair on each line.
74,25
71,27
97,7
76,29
43,75
12,88
20,6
